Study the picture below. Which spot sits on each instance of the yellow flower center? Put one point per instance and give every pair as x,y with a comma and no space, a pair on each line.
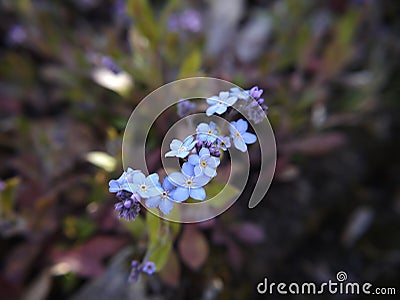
189,182
143,187
203,163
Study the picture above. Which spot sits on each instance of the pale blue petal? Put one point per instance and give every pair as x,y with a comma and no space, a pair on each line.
180,194
177,178
212,100
194,159
212,126
241,125
188,169
175,144
188,141
211,110
231,100
153,201
167,184
183,154
204,151
138,178
114,186
198,193
190,147
201,180
223,96
171,153
197,171
152,180
166,206
249,138
210,172
240,144
221,109
202,127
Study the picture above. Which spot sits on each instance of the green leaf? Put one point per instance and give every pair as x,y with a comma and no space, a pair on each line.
160,254
7,197
191,64
141,12
153,227
137,228
220,194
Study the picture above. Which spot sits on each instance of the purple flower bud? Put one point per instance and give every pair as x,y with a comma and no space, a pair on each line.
129,206
135,272
255,92
127,203
215,152
260,101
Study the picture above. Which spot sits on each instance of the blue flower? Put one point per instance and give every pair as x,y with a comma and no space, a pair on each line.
207,132
239,135
219,104
148,267
165,199
239,93
145,186
204,163
122,183
188,185
224,142
181,149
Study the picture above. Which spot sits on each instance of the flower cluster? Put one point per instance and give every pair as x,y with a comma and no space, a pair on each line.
199,156
147,267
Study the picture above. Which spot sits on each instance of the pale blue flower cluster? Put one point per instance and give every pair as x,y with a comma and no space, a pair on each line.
199,156
251,102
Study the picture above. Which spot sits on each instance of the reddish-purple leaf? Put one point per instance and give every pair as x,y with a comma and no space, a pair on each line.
193,247
87,259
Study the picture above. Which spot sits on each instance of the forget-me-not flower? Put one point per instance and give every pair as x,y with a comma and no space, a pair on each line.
204,163
219,104
207,132
148,267
224,142
181,149
239,135
145,186
188,184
165,199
